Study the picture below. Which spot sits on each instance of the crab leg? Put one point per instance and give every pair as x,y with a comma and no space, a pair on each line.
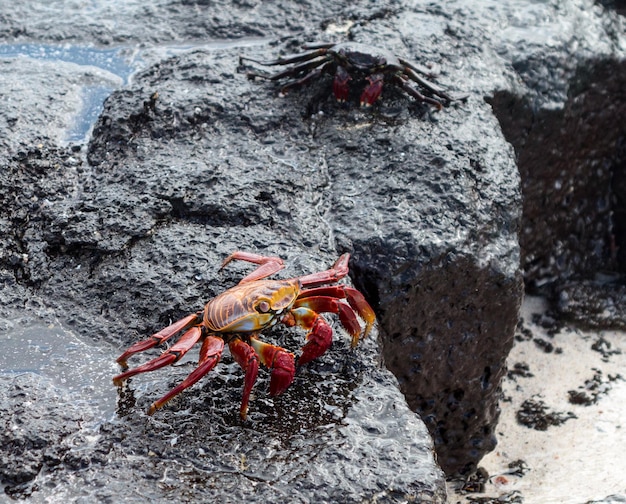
417,68
295,70
285,60
210,353
417,95
245,356
267,265
334,274
320,45
281,362
171,355
311,68
160,337
313,74
355,299
433,88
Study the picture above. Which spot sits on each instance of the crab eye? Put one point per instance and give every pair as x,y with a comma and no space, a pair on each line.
263,307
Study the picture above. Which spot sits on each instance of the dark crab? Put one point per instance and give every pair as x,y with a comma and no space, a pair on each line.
351,61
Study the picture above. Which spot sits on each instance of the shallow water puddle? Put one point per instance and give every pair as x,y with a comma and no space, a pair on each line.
114,68
102,71
83,369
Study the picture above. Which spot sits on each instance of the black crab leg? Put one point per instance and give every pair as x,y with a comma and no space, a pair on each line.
286,60
294,71
417,95
417,68
433,88
320,45
313,74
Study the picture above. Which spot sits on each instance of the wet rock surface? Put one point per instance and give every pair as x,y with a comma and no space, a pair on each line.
121,236
271,455
36,432
338,434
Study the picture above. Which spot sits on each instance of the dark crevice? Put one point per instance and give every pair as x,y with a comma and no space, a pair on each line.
572,165
217,215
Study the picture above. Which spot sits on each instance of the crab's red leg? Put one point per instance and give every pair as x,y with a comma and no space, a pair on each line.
355,299
334,274
267,265
372,90
319,337
210,353
245,356
161,336
281,362
171,355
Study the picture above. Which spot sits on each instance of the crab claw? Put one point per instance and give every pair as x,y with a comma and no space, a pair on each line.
326,299
340,84
318,341
281,362
320,335
372,90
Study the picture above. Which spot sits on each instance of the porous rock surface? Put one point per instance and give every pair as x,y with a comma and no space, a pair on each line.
121,236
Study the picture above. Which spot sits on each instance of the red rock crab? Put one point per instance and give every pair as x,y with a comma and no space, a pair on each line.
351,61
237,316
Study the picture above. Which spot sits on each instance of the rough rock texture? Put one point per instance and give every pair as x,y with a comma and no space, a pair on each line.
339,434
35,431
119,237
219,162
86,256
